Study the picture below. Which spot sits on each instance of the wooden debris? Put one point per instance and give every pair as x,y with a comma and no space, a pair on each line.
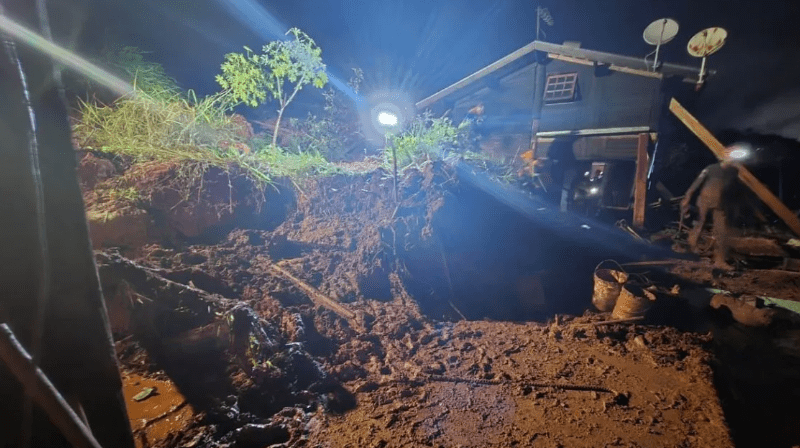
317,297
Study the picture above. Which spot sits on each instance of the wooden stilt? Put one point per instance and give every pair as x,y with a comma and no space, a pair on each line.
640,182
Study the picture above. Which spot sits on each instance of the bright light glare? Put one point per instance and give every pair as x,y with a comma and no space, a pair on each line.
594,190
387,119
739,154
63,56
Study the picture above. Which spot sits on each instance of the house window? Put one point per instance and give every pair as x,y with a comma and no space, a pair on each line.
560,88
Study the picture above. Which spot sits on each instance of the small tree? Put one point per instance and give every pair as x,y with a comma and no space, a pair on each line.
282,70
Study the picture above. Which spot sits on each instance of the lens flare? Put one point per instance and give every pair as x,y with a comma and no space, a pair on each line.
63,56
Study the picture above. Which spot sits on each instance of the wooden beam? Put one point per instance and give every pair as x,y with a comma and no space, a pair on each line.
745,175
640,182
617,68
601,131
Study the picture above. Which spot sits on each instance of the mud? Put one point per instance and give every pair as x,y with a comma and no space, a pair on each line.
153,419
452,329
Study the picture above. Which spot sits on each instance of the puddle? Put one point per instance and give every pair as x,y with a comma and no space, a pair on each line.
163,413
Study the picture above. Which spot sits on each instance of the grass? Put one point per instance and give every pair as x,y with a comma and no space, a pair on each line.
169,126
160,123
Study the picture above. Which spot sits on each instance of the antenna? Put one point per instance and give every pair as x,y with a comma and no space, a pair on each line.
660,32
543,15
705,43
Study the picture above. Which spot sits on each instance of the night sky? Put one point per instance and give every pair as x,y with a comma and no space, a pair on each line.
421,46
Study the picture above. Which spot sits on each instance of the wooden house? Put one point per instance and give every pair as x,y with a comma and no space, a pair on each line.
591,117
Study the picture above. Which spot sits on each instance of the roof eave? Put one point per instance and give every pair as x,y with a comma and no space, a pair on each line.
688,73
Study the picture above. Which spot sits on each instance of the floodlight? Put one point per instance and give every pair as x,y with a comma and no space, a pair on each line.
386,118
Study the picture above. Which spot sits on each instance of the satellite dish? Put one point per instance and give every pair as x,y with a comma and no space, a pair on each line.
660,32
705,43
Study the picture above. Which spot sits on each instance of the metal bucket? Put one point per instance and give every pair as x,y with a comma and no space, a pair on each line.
633,301
607,285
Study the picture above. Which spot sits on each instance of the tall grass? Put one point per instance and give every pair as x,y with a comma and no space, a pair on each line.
160,122
162,127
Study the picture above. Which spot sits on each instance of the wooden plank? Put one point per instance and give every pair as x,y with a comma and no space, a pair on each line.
745,175
628,70
603,131
640,182
318,298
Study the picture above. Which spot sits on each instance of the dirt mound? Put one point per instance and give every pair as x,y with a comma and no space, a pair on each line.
165,201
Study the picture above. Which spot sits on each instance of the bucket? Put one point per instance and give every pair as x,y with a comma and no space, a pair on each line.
633,301
607,285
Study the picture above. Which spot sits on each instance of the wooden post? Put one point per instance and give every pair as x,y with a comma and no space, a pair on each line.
745,175
640,182
534,137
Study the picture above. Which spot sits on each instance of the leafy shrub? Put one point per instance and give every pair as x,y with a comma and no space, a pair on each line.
426,138
280,72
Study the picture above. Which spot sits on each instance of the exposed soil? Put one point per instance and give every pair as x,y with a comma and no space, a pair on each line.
453,317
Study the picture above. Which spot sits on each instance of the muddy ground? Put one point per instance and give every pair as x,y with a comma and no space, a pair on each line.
460,315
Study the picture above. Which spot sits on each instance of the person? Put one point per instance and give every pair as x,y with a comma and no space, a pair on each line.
716,188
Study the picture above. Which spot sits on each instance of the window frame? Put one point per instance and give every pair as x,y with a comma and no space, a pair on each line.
565,88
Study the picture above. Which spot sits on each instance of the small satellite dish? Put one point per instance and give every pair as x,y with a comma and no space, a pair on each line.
705,43
660,32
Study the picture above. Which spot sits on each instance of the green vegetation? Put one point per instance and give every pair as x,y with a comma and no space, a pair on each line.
159,122
426,138
146,76
335,132
280,72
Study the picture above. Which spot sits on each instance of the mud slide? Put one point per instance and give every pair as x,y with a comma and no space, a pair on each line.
357,320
